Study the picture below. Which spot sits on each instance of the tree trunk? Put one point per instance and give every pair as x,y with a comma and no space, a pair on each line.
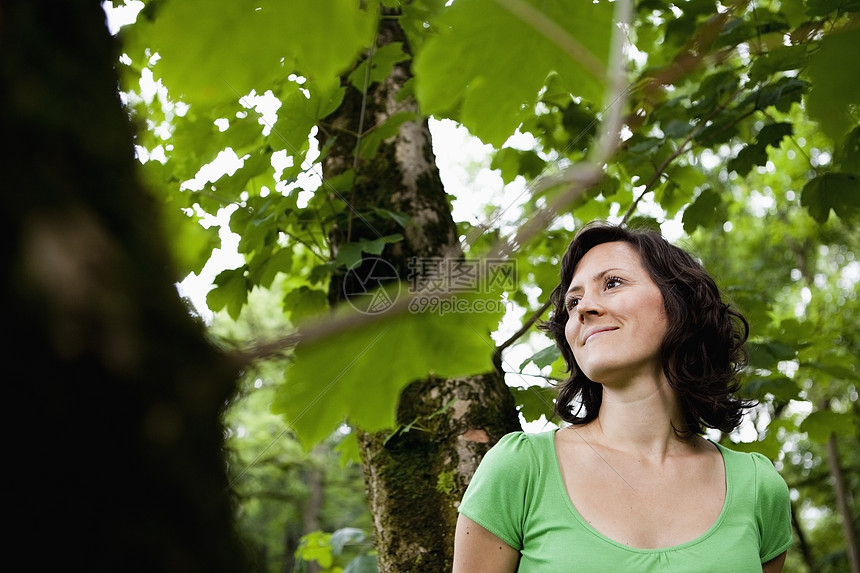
803,544
416,476
311,511
841,491
117,394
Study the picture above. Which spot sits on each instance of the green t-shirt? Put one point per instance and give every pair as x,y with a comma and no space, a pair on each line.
518,494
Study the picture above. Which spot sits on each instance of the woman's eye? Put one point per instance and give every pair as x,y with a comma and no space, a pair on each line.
571,303
613,282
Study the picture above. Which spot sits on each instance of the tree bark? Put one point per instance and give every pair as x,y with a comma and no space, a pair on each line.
414,475
311,510
841,491
117,394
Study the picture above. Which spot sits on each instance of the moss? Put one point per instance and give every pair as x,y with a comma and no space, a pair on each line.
446,482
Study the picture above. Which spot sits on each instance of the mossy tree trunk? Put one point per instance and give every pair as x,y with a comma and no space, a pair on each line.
416,477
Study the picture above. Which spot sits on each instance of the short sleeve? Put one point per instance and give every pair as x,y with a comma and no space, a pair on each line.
773,509
496,497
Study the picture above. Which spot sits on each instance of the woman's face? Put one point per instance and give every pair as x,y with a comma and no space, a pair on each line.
617,320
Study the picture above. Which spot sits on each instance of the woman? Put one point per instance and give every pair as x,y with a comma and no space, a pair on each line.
630,484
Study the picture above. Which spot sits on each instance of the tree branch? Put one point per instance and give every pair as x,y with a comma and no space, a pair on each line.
681,149
525,327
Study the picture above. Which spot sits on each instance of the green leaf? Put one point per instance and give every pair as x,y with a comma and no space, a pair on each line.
231,291
820,424
679,30
281,261
535,401
348,254
231,186
780,94
373,247
781,59
756,154
348,449
321,272
206,55
243,133
543,357
676,128
781,388
837,191
376,246
766,355
769,446
686,176
305,302
836,371
834,88
747,158
401,219
257,229
642,222
672,198
513,162
580,123
792,331
773,133
314,546
713,91
383,60
190,243
825,7
298,114
512,47
390,127
847,155
354,373
702,212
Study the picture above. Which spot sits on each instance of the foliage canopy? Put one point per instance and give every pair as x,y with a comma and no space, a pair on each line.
734,125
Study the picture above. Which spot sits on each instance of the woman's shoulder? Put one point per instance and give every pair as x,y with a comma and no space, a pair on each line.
750,459
520,449
754,465
520,440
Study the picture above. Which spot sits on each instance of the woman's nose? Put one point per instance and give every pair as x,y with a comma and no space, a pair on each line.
587,305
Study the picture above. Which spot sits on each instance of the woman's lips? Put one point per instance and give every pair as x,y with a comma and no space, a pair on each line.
596,331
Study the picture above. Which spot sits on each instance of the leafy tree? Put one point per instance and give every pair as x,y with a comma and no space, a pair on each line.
655,113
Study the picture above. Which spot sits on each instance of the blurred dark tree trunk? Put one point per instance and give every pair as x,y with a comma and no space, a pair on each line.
116,393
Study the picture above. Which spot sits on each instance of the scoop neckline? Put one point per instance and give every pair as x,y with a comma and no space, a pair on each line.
559,481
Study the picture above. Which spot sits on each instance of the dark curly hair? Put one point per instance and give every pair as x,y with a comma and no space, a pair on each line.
702,353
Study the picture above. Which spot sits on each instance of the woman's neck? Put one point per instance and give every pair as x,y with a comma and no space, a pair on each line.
640,419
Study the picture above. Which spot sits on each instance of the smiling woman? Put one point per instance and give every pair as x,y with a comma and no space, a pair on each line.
654,356
702,351
616,317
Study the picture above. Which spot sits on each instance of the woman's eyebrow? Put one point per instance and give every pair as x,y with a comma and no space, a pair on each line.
598,276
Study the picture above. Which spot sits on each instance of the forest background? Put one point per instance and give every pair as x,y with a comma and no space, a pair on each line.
247,439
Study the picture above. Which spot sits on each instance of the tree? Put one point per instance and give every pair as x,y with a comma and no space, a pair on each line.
118,392
652,135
